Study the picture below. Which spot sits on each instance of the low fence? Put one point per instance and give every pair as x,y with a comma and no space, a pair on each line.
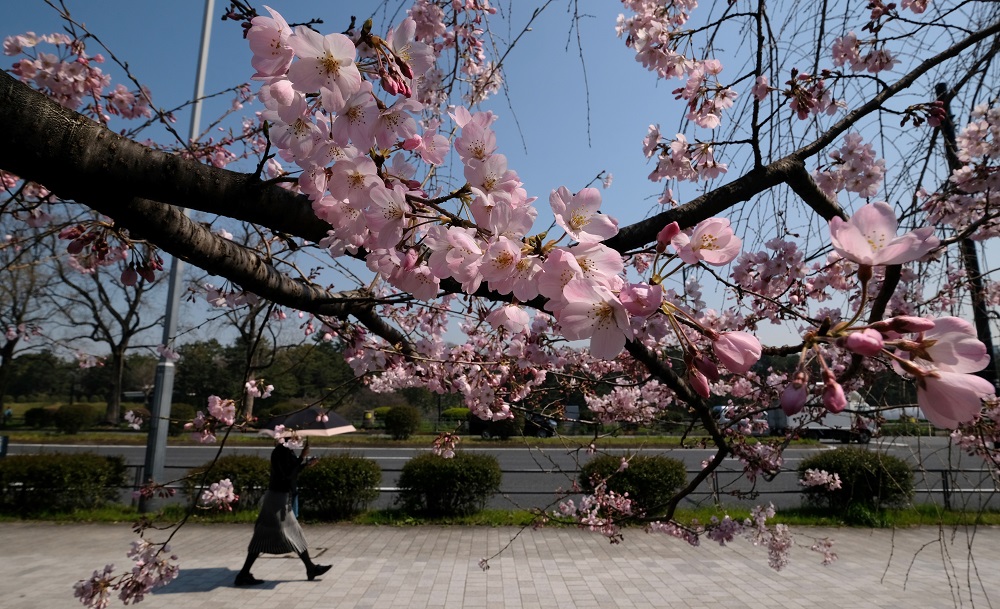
949,488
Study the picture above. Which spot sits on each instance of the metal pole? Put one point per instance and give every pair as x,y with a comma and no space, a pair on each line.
163,388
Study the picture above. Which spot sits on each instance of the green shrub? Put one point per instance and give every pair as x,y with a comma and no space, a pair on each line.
435,486
248,473
455,414
402,421
339,486
39,417
649,480
32,484
180,413
71,418
869,479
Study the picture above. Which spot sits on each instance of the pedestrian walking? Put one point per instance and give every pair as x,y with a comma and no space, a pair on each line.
277,531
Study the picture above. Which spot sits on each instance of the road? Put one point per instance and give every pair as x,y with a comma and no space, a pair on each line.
533,477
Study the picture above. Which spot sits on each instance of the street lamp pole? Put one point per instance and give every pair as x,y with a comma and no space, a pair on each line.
156,443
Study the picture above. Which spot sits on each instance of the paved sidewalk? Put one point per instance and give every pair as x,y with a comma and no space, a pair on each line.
376,567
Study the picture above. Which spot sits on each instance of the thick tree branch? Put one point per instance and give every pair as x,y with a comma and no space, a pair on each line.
81,160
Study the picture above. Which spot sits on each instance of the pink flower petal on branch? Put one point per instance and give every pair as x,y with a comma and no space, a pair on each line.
869,237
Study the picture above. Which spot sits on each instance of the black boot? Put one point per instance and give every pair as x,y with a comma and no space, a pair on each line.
246,579
314,571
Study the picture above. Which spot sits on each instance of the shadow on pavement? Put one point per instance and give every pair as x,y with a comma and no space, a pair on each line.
208,579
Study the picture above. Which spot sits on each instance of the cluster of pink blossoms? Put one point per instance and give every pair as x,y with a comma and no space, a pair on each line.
971,197
777,538
221,414
819,477
848,50
940,354
72,77
854,168
152,568
679,160
337,138
219,495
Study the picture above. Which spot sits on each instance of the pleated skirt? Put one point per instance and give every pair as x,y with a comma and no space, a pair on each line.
277,531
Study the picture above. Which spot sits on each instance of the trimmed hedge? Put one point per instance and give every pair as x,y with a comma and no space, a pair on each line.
248,473
339,486
434,486
455,414
180,413
402,421
649,480
39,417
868,478
71,418
32,484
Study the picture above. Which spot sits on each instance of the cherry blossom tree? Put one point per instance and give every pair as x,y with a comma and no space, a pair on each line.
781,194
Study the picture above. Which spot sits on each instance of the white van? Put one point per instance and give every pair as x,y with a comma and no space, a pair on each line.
817,423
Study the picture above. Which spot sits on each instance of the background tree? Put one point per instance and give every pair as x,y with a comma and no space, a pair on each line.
23,311
97,306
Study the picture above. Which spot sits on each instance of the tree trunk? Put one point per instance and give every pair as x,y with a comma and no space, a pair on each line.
970,257
112,415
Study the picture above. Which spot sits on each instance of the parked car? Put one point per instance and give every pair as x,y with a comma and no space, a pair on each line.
540,426
535,425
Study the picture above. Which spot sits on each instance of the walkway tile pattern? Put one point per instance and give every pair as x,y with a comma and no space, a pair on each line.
436,567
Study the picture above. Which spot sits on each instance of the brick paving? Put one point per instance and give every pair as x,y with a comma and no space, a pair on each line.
436,567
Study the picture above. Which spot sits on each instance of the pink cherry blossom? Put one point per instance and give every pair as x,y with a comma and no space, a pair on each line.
641,299
431,146
593,312
326,64
356,121
949,399
578,215
500,261
952,345
712,240
387,215
917,6
268,39
477,140
512,317
869,237
559,268
737,351
761,88
351,180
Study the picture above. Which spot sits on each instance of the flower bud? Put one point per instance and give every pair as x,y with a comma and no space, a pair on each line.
667,233
833,394
867,342
795,395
